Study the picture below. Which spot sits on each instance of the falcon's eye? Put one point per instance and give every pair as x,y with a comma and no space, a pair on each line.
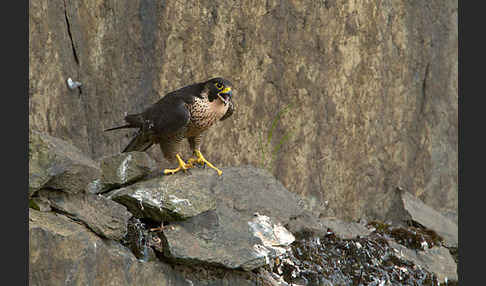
219,85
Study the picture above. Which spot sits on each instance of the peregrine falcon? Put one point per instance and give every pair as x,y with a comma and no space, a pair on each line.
183,113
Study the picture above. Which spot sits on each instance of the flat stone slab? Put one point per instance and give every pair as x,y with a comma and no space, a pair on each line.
249,190
223,238
55,163
105,217
165,198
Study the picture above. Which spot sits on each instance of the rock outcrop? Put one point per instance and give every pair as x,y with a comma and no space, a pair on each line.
54,163
166,199
103,216
244,228
123,169
63,252
233,221
371,87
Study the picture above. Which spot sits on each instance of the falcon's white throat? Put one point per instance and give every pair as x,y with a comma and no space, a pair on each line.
224,100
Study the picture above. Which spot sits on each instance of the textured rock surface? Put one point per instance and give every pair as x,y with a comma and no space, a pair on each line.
87,239
103,216
244,189
437,260
218,215
400,207
126,167
330,260
431,219
55,163
307,223
223,237
374,86
166,198
122,169
63,252
249,190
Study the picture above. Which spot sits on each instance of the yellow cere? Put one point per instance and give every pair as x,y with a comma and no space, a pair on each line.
226,90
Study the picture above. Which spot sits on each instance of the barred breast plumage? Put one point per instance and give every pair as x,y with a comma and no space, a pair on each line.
204,114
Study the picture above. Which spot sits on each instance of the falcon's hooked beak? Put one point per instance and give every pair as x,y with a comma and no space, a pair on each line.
225,95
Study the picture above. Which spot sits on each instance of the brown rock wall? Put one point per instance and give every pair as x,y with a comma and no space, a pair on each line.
373,86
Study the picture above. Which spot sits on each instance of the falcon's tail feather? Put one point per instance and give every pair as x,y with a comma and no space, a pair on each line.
133,120
140,142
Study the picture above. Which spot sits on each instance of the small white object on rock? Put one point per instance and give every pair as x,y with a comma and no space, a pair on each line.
73,84
274,239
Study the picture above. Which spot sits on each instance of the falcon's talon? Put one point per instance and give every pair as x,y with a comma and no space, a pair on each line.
182,166
202,161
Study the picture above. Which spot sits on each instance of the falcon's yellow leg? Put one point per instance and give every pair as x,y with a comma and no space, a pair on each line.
182,166
201,160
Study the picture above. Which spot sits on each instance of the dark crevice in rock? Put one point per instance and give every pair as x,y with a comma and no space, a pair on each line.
424,89
145,243
70,216
70,34
136,238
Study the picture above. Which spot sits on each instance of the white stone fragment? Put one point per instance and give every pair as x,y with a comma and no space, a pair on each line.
73,84
176,200
274,238
122,170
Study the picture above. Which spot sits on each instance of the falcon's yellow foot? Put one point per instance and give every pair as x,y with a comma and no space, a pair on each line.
182,166
201,160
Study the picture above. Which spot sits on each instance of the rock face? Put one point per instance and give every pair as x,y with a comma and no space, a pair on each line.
124,168
103,216
224,238
219,223
53,163
437,260
242,228
165,199
62,252
403,207
306,222
373,87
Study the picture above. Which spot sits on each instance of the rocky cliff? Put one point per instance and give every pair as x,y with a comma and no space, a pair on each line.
369,88
119,221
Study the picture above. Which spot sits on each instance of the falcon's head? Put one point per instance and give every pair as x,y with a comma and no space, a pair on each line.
219,88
